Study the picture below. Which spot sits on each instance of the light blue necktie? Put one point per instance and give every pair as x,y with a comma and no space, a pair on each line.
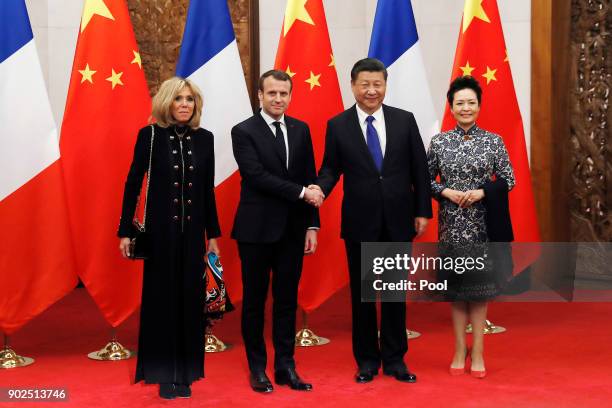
374,143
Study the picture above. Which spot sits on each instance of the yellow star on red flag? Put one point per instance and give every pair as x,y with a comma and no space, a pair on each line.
473,9
115,78
313,80
87,74
288,71
296,10
490,75
92,8
333,61
137,59
467,70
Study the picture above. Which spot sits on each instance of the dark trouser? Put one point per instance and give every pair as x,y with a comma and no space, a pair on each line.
393,345
284,258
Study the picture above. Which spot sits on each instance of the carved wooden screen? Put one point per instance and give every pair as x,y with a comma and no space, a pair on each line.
590,141
571,142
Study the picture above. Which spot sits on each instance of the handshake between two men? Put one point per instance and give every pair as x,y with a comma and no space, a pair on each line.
314,196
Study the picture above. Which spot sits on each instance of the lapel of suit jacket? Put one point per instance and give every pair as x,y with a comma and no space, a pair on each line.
270,139
291,139
354,130
390,135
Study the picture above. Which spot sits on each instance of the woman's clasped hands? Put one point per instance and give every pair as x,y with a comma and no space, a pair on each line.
463,198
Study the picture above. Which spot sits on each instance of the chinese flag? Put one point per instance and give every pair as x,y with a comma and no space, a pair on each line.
108,101
481,52
304,52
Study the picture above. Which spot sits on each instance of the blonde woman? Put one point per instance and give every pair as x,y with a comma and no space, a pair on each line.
181,216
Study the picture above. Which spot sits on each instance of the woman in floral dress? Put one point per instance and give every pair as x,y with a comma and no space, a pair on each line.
466,158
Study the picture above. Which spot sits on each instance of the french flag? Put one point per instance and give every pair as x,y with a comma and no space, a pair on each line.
395,42
209,57
36,259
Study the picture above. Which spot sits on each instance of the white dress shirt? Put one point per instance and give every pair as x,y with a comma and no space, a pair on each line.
378,123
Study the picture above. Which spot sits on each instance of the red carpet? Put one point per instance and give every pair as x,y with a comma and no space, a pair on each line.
553,355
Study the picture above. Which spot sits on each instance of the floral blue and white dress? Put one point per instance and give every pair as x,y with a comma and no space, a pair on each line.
466,161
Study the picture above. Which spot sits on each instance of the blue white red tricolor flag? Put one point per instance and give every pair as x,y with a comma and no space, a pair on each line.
395,42
36,259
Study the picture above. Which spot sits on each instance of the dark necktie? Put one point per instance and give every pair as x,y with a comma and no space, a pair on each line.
280,141
374,143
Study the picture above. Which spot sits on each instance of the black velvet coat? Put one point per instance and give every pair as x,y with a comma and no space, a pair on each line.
181,209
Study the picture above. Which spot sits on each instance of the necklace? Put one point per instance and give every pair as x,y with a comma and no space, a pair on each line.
180,135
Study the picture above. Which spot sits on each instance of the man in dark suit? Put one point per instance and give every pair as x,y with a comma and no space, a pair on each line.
379,151
274,225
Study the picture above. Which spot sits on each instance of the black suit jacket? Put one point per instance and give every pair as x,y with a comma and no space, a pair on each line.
375,200
269,194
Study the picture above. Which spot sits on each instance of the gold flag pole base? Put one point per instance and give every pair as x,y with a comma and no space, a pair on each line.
490,328
306,337
212,344
10,359
113,351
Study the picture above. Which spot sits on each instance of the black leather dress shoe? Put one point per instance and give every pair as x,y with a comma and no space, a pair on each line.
289,377
365,376
182,390
402,375
260,382
167,391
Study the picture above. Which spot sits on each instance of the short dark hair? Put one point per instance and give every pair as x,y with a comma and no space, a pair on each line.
463,82
276,74
368,65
